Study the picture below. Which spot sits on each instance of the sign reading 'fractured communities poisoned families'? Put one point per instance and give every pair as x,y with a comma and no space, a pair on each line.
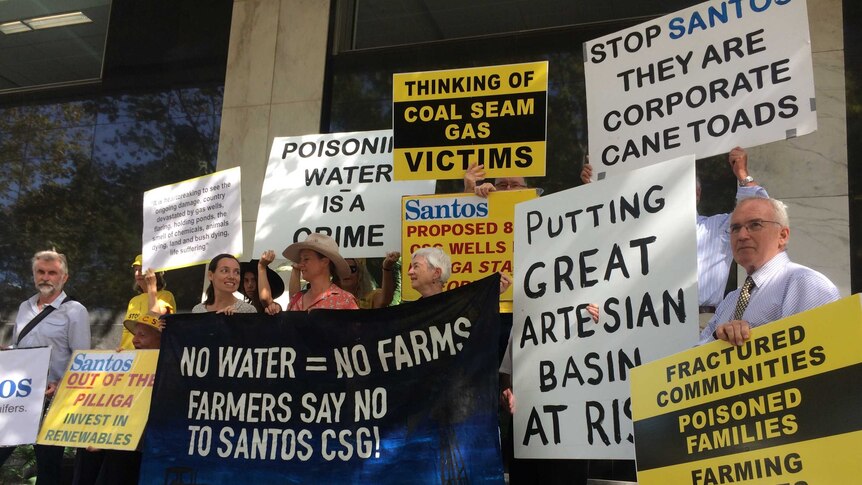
781,408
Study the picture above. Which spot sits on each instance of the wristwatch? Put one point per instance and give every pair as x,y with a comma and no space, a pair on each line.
746,181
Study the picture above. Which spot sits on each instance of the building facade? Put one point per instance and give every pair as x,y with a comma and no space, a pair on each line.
191,87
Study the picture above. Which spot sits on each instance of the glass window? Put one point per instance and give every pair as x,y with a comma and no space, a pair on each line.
361,89
386,23
360,96
72,176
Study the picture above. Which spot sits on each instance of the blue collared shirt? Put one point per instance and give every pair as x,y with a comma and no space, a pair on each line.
65,330
782,288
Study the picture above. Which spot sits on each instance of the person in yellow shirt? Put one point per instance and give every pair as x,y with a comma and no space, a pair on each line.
152,297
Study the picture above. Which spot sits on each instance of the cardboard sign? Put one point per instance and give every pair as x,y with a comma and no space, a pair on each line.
445,121
627,245
23,378
338,184
781,408
190,222
476,233
702,80
102,401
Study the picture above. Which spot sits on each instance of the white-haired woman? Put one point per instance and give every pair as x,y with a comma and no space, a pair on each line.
430,268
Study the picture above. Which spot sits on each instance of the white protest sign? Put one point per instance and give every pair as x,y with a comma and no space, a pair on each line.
338,184
23,378
702,80
189,222
627,245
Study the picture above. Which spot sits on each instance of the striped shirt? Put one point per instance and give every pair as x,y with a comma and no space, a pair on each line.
782,288
713,251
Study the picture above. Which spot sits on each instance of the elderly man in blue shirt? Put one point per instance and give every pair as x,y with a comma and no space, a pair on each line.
775,287
64,325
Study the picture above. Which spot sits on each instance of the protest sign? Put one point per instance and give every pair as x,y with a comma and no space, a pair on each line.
627,245
338,184
102,400
187,223
701,80
445,121
23,378
781,408
477,233
404,394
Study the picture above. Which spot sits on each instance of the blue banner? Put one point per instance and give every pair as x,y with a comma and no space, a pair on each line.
404,394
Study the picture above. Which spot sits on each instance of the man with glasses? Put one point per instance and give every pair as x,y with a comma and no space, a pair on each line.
775,287
476,173
713,248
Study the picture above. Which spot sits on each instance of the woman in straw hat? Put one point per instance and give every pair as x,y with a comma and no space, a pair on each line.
319,261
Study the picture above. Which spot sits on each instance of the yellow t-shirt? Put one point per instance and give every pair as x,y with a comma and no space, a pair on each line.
139,305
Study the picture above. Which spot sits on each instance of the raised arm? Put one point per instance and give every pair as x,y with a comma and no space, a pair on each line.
387,280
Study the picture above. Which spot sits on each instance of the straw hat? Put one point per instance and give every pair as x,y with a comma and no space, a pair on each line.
146,318
324,245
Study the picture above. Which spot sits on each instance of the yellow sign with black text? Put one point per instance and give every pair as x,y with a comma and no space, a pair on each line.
445,121
477,233
781,408
103,400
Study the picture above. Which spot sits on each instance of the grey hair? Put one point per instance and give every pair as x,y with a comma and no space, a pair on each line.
436,258
51,255
778,208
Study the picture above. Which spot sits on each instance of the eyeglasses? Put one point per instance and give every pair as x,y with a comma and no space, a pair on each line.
509,185
752,226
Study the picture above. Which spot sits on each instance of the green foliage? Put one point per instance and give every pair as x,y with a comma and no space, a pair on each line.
20,467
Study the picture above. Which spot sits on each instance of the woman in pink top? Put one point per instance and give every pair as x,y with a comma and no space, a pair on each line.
318,260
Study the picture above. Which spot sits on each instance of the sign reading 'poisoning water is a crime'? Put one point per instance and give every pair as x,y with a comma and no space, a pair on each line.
338,184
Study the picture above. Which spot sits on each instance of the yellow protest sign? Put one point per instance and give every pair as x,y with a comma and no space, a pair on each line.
444,121
782,408
477,233
103,400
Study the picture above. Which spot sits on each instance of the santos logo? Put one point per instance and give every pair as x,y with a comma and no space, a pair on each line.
101,363
444,208
10,388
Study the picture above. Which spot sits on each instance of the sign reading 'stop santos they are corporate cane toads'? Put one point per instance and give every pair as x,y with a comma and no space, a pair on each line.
701,80
445,121
783,408
629,247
